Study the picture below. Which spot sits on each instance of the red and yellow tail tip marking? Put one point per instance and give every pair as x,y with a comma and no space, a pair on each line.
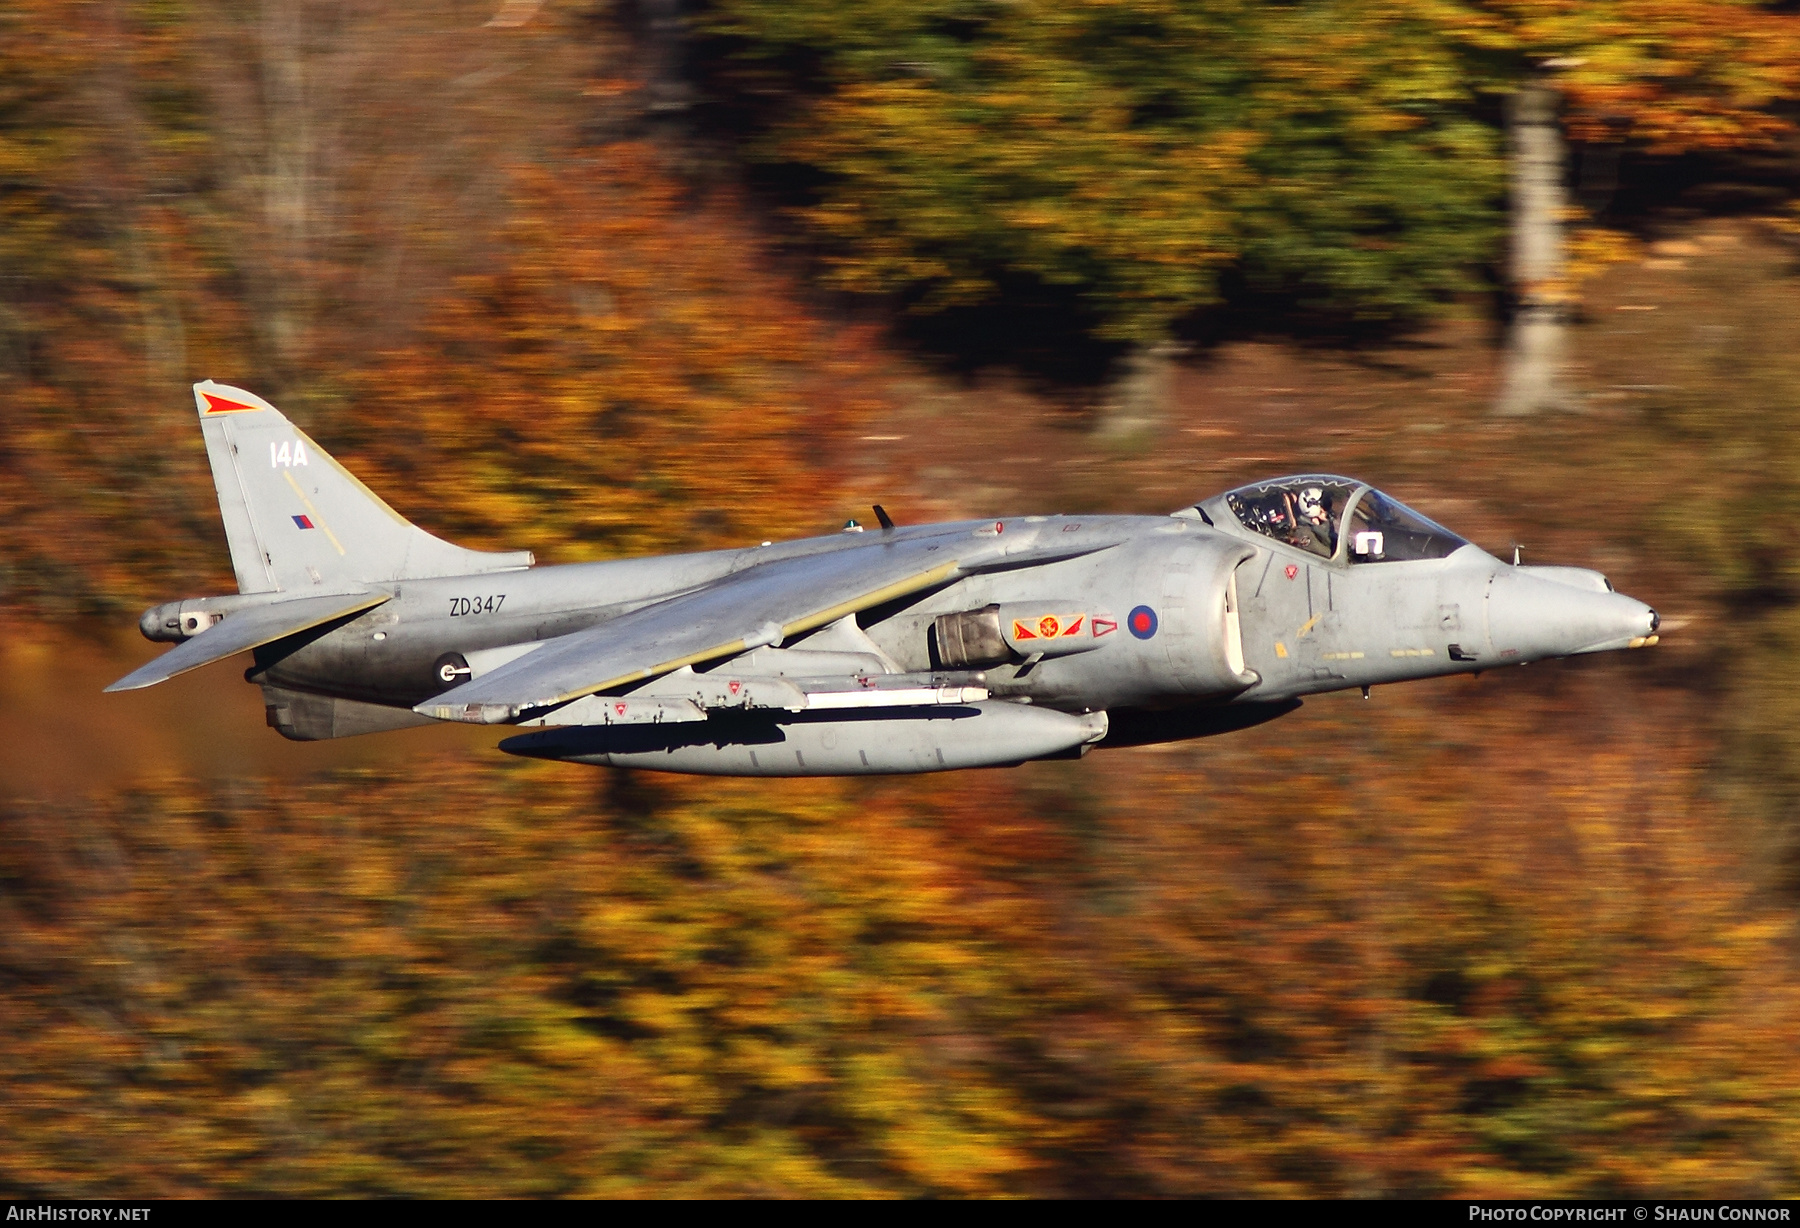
219,405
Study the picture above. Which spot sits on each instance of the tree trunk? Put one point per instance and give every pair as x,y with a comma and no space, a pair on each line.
668,95
1138,397
1533,377
121,182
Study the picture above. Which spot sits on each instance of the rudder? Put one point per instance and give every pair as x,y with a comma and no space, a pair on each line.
296,520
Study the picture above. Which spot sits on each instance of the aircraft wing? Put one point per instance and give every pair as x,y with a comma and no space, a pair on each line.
245,629
762,604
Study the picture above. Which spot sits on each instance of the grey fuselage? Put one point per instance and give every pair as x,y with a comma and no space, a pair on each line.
921,649
1201,615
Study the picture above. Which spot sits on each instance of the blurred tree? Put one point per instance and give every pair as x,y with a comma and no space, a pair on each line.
1165,978
38,139
642,384
1666,76
1338,157
1130,157
99,141
1532,377
200,189
1394,955
669,995
1109,168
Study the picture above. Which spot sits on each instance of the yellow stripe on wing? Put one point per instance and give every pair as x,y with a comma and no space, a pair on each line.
869,600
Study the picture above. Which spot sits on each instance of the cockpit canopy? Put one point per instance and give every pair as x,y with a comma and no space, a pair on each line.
1335,517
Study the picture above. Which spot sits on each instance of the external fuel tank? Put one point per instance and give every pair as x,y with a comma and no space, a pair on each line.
988,733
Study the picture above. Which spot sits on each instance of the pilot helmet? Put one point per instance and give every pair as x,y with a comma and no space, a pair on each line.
1312,504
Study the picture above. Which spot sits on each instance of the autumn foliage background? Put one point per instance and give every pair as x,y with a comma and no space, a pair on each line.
546,283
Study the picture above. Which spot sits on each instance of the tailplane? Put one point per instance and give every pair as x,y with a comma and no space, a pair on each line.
298,521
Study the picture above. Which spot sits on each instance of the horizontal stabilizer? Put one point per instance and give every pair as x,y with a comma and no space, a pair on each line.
246,629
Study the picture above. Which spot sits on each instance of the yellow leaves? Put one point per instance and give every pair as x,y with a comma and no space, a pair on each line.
1676,75
1335,956
767,1064
474,990
571,1047
1594,249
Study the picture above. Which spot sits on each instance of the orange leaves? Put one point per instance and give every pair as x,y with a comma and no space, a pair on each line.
628,380
1434,947
585,360
676,999
1363,950
1672,75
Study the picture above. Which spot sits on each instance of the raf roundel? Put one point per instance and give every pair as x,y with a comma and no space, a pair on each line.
1142,622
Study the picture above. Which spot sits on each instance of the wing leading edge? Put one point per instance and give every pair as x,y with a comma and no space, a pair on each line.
760,605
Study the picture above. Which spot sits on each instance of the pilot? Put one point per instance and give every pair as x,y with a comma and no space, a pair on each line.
1315,528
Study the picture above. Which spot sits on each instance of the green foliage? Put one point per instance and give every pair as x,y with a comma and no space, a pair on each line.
1337,158
1374,192
1138,153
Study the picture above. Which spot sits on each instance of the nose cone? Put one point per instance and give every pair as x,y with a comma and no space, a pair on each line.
1530,617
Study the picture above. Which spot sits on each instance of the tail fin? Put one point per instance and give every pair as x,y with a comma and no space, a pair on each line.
297,521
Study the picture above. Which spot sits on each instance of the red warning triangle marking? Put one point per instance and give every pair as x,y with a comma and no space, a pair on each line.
219,405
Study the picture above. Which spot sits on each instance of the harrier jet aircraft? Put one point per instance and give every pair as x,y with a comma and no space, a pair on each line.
900,649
